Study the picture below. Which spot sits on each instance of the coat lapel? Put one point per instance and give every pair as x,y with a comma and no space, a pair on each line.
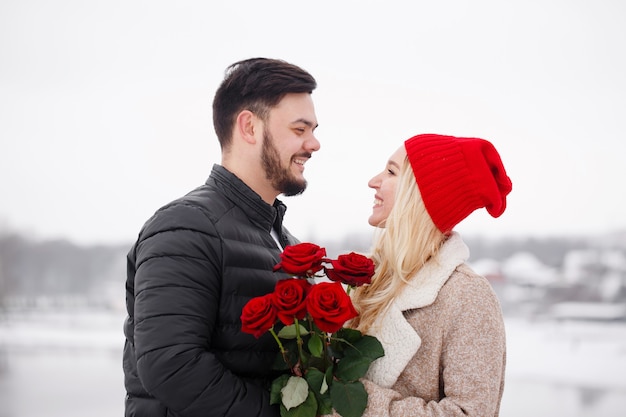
399,339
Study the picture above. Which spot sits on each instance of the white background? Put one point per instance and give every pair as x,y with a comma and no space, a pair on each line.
105,105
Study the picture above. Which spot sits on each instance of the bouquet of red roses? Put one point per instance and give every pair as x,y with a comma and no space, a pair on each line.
322,360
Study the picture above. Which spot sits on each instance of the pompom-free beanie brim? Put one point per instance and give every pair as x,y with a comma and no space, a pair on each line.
456,176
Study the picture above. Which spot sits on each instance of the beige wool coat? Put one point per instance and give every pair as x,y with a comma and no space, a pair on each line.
444,342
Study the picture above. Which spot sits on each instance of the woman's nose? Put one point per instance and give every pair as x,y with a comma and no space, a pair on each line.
374,182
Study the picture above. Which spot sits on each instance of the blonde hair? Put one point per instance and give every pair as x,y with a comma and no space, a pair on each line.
408,240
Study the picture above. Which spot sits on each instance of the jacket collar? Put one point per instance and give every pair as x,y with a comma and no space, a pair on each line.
399,339
259,212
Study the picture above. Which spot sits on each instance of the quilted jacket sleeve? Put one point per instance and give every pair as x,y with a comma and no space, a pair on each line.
177,290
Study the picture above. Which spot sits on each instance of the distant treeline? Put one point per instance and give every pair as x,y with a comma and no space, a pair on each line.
30,268
56,267
549,250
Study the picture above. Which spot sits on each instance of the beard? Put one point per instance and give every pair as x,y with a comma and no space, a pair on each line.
281,178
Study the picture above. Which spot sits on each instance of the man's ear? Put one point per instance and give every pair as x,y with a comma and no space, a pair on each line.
246,125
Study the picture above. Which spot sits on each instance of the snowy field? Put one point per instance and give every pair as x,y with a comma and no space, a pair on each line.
62,364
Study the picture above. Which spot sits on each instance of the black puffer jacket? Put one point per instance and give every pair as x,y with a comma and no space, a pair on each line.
196,262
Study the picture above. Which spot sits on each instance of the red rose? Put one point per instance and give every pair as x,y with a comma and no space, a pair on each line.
303,259
258,316
352,269
288,299
329,306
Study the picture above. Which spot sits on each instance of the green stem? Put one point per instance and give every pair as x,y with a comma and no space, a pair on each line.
280,345
299,340
326,344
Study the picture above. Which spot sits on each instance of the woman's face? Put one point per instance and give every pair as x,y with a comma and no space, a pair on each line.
384,184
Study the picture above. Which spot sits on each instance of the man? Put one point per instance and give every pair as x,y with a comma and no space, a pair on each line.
201,258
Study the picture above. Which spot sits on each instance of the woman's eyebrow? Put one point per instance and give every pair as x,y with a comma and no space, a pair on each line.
393,163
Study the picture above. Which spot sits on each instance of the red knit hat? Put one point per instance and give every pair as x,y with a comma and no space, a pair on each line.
456,176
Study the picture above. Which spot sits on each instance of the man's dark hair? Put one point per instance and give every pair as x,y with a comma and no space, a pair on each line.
255,84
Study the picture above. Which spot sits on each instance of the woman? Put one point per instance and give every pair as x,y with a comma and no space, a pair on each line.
439,322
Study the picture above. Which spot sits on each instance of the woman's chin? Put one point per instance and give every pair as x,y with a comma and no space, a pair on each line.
376,222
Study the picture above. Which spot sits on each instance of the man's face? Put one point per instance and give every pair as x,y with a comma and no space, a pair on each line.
288,142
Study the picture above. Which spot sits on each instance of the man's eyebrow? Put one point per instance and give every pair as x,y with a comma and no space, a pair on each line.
306,122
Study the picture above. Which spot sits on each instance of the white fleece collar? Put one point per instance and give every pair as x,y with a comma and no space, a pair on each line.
400,341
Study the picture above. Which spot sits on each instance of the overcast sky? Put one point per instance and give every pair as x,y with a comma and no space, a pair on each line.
105,106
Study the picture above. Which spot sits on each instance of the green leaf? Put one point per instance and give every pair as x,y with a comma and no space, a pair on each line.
277,384
349,335
325,404
295,392
358,358
321,363
307,409
349,399
329,375
317,382
351,368
316,346
342,340
369,347
324,387
289,332
315,378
